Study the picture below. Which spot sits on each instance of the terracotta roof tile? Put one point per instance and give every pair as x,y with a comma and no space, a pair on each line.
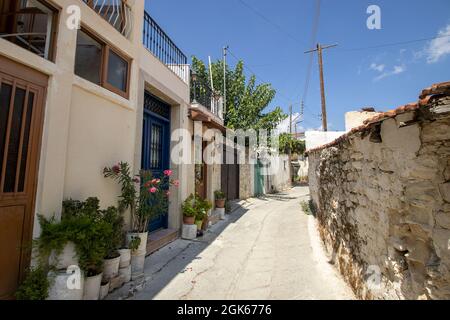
424,99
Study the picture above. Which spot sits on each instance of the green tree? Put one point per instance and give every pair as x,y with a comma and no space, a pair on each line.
287,142
246,100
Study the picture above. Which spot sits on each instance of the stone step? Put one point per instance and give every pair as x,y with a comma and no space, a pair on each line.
160,238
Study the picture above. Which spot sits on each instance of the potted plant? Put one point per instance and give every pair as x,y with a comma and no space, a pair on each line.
220,198
199,217
146,197
94,237
89,234
113,257
189,212
204,206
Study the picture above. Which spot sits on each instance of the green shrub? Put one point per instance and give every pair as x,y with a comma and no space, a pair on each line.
93,231
35,286
219,195
195,206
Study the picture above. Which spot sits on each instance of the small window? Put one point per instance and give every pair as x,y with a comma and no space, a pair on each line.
117,71
88,61
30,24
97,62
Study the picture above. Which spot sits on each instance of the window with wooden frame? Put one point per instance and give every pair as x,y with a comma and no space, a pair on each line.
30,24
98,62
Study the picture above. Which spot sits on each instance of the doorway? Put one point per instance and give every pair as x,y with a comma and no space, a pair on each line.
156,145
22,92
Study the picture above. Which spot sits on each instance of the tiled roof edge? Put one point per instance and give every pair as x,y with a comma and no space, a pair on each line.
442,88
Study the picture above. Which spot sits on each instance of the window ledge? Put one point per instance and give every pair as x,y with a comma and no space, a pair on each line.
102,92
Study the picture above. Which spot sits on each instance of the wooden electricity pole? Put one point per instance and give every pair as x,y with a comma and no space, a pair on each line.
224,109
319,50
290,119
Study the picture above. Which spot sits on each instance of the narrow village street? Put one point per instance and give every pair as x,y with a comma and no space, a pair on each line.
267,249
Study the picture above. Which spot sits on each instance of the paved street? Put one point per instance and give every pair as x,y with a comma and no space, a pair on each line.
268,249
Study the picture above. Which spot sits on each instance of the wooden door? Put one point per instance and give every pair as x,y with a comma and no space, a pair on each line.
22,92
201,175
230,175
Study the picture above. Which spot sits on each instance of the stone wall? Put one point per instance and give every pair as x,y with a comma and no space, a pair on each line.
382,198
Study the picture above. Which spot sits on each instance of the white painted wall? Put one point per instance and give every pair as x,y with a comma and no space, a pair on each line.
355,119
314,139
87,127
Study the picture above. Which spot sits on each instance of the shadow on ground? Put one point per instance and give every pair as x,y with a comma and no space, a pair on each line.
164,265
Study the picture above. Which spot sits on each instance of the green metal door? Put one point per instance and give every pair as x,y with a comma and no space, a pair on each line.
259,179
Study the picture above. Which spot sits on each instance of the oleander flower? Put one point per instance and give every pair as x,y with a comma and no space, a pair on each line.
153,190
168,173
116,168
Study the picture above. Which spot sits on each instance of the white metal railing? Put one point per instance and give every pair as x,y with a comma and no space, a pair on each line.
118,13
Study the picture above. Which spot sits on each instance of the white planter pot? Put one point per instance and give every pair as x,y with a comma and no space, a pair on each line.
125,258
189,231
92,287
68,257
142,249
137,266
104,290
221,212
125,273
66,286
110,268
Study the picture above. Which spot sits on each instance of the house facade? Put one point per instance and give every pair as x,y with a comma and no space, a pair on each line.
74,100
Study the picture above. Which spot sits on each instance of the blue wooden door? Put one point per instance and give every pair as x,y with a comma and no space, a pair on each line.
156,145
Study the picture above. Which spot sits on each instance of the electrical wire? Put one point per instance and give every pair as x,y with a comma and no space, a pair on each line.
262,16
313,39
396,43
256,75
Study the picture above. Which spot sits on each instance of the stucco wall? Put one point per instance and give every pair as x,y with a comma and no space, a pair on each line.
281,173
354,119
385,205
87,127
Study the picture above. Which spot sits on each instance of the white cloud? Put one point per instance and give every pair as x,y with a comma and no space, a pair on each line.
439,47
377,67
395,71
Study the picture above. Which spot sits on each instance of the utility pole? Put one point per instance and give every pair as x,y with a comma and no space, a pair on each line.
319,50
290,119
225,81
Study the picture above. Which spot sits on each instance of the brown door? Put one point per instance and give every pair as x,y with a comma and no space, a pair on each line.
230,174
22,93
201,177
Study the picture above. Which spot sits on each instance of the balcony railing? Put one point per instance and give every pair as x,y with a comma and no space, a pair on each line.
202,94
117,12
162,47
30,25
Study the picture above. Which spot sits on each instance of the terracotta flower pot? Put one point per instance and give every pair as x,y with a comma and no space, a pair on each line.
188,220
220,203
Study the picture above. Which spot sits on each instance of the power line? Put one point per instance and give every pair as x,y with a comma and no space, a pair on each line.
396,43
257,76
315,29
262,16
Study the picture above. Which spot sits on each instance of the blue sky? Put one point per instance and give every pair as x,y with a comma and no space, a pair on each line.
272,42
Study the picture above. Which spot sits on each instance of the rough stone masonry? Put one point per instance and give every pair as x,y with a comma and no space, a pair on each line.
382,198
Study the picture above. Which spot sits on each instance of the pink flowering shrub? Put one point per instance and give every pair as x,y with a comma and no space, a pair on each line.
145,195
